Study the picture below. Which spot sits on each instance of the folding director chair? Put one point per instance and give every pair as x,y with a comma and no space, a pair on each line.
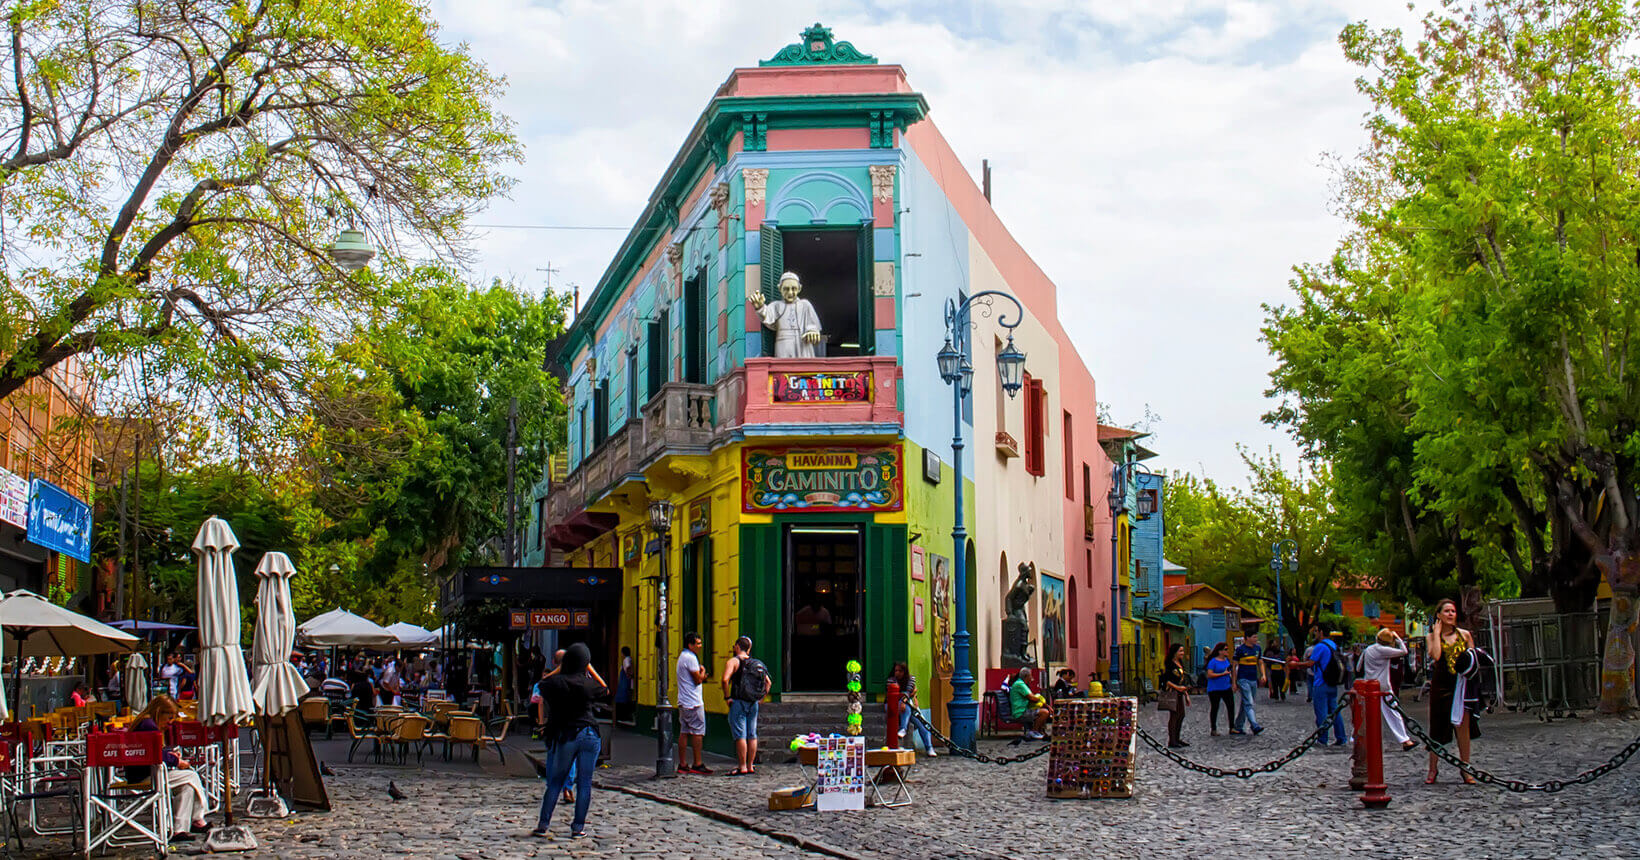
119,813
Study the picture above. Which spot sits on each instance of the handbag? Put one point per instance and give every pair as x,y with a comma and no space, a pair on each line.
1168,699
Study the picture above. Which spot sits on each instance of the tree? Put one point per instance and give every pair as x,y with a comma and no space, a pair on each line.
1223,537
1495,244
171,172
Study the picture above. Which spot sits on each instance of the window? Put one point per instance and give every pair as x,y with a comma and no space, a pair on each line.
632,382
1122,606
694,329
1070,459
1070,611
1034,429
1087,485
660,359
835,264
540,522
582,437
600,414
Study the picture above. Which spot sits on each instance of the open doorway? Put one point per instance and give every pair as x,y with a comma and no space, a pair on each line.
823,599
830,264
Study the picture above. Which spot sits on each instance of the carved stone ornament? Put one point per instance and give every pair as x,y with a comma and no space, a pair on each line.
757,180
674,254
818,48
720,197
882,182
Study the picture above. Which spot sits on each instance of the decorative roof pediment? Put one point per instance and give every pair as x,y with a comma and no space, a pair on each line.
817,49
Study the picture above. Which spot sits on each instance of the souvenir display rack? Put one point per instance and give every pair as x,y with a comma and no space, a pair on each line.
1093,747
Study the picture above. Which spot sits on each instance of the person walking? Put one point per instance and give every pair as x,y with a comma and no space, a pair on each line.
745,683
1276,670
901,674
1249,676
1448,705
1326,668
691,707
1175,696
1375,666
572,732
1218,690
625,683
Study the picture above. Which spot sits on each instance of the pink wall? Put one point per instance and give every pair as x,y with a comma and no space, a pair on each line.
814,80
818,138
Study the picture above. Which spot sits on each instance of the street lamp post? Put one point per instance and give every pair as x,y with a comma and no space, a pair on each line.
1283,553
660,520
1120,477
957,369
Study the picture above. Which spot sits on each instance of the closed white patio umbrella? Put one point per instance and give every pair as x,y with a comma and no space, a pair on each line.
412,636
279,686
340,628
224,685
135,682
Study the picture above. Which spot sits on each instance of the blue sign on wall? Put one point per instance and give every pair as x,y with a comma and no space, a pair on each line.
58,521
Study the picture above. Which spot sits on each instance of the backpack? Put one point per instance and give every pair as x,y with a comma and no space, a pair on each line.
1332,674
751,680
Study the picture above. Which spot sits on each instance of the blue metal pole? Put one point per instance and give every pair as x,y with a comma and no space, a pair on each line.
962,709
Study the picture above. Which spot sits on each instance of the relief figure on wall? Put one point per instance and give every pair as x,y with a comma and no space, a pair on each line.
796,325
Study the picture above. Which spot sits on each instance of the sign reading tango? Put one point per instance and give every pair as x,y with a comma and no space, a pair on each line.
848,387
549,619
832,478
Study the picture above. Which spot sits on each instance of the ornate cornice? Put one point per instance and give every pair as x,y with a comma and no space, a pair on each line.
818,48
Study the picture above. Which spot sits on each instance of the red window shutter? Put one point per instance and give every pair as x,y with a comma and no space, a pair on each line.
1035,430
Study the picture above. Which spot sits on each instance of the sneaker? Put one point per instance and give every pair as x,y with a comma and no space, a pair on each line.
1215,733
1033,736
902,733
579,834
932,754
701,769
1258,729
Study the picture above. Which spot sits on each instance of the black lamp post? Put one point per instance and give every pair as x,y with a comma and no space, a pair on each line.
957,369
1121,476
660,521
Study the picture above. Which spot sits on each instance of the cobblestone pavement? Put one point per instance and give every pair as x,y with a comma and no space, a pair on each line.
969,809
972,810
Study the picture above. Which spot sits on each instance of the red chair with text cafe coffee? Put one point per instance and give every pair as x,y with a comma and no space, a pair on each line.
202,746
118,812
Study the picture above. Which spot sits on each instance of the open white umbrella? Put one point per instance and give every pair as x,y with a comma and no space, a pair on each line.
36,627
412,636
224,685
279,686
340,628
135,682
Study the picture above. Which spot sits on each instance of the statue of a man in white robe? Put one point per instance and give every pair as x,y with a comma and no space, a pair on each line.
796,325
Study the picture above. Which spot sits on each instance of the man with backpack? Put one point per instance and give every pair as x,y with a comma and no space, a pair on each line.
745,683
1327,676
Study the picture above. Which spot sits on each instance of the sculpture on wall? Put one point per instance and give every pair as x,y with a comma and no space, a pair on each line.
1017,649
796,325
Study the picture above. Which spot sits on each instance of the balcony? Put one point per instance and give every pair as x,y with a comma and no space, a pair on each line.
678,420
1090,521
799,394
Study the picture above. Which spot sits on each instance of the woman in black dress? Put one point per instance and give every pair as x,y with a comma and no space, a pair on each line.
1176,681
1446,645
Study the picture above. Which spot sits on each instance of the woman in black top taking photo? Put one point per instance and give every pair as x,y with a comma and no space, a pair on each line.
572,735
1175,690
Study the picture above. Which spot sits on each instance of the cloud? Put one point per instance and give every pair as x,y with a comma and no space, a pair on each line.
1161,160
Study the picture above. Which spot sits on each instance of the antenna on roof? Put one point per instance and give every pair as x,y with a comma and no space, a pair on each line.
985,178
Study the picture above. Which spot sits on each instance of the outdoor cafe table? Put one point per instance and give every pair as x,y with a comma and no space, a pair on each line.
886,767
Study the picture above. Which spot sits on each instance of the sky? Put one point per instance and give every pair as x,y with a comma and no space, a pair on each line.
1164,161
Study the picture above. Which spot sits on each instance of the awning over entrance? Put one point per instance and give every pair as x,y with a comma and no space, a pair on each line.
571,586
581,528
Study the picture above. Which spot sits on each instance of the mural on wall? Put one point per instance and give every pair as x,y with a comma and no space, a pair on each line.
833,478
1053,619
939,568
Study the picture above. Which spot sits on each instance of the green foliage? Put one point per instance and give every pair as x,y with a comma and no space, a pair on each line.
1486,305
1223,537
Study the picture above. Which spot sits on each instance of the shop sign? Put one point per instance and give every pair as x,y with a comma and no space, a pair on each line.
518,619
700,517
833,478
560,619
850,387
58,521
14,499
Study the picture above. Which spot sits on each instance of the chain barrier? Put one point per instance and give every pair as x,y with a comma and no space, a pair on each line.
976,755
1548,786
1271,766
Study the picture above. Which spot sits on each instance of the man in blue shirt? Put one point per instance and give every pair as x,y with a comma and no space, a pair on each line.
1324,696
1249,675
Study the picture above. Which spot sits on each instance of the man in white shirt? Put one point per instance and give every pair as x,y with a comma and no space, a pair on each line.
171,672
691,707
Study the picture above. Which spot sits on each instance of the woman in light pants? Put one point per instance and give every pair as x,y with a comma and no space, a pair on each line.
1375,667
187,792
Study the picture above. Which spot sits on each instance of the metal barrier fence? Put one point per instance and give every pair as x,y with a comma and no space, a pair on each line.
1547,662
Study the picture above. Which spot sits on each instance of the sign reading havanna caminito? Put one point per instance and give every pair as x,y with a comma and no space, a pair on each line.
821,479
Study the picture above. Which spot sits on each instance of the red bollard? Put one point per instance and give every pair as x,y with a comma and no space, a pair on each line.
1377,794
1358,764
892,706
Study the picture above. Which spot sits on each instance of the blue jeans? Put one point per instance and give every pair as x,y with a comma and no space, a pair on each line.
1245,716
1324,698
581,753
922,729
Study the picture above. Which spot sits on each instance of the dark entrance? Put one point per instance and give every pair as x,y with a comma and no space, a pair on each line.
823,599
835,266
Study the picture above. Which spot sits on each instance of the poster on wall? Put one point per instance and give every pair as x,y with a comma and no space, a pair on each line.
917,615
834,478
13,499
940,572
1053,619
840,774
700,517
629,555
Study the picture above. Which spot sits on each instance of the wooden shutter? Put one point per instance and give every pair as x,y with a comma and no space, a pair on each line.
771,261
1035,459
885,602
868,306
762,603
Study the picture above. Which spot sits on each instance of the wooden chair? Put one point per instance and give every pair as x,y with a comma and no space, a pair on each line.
464,730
